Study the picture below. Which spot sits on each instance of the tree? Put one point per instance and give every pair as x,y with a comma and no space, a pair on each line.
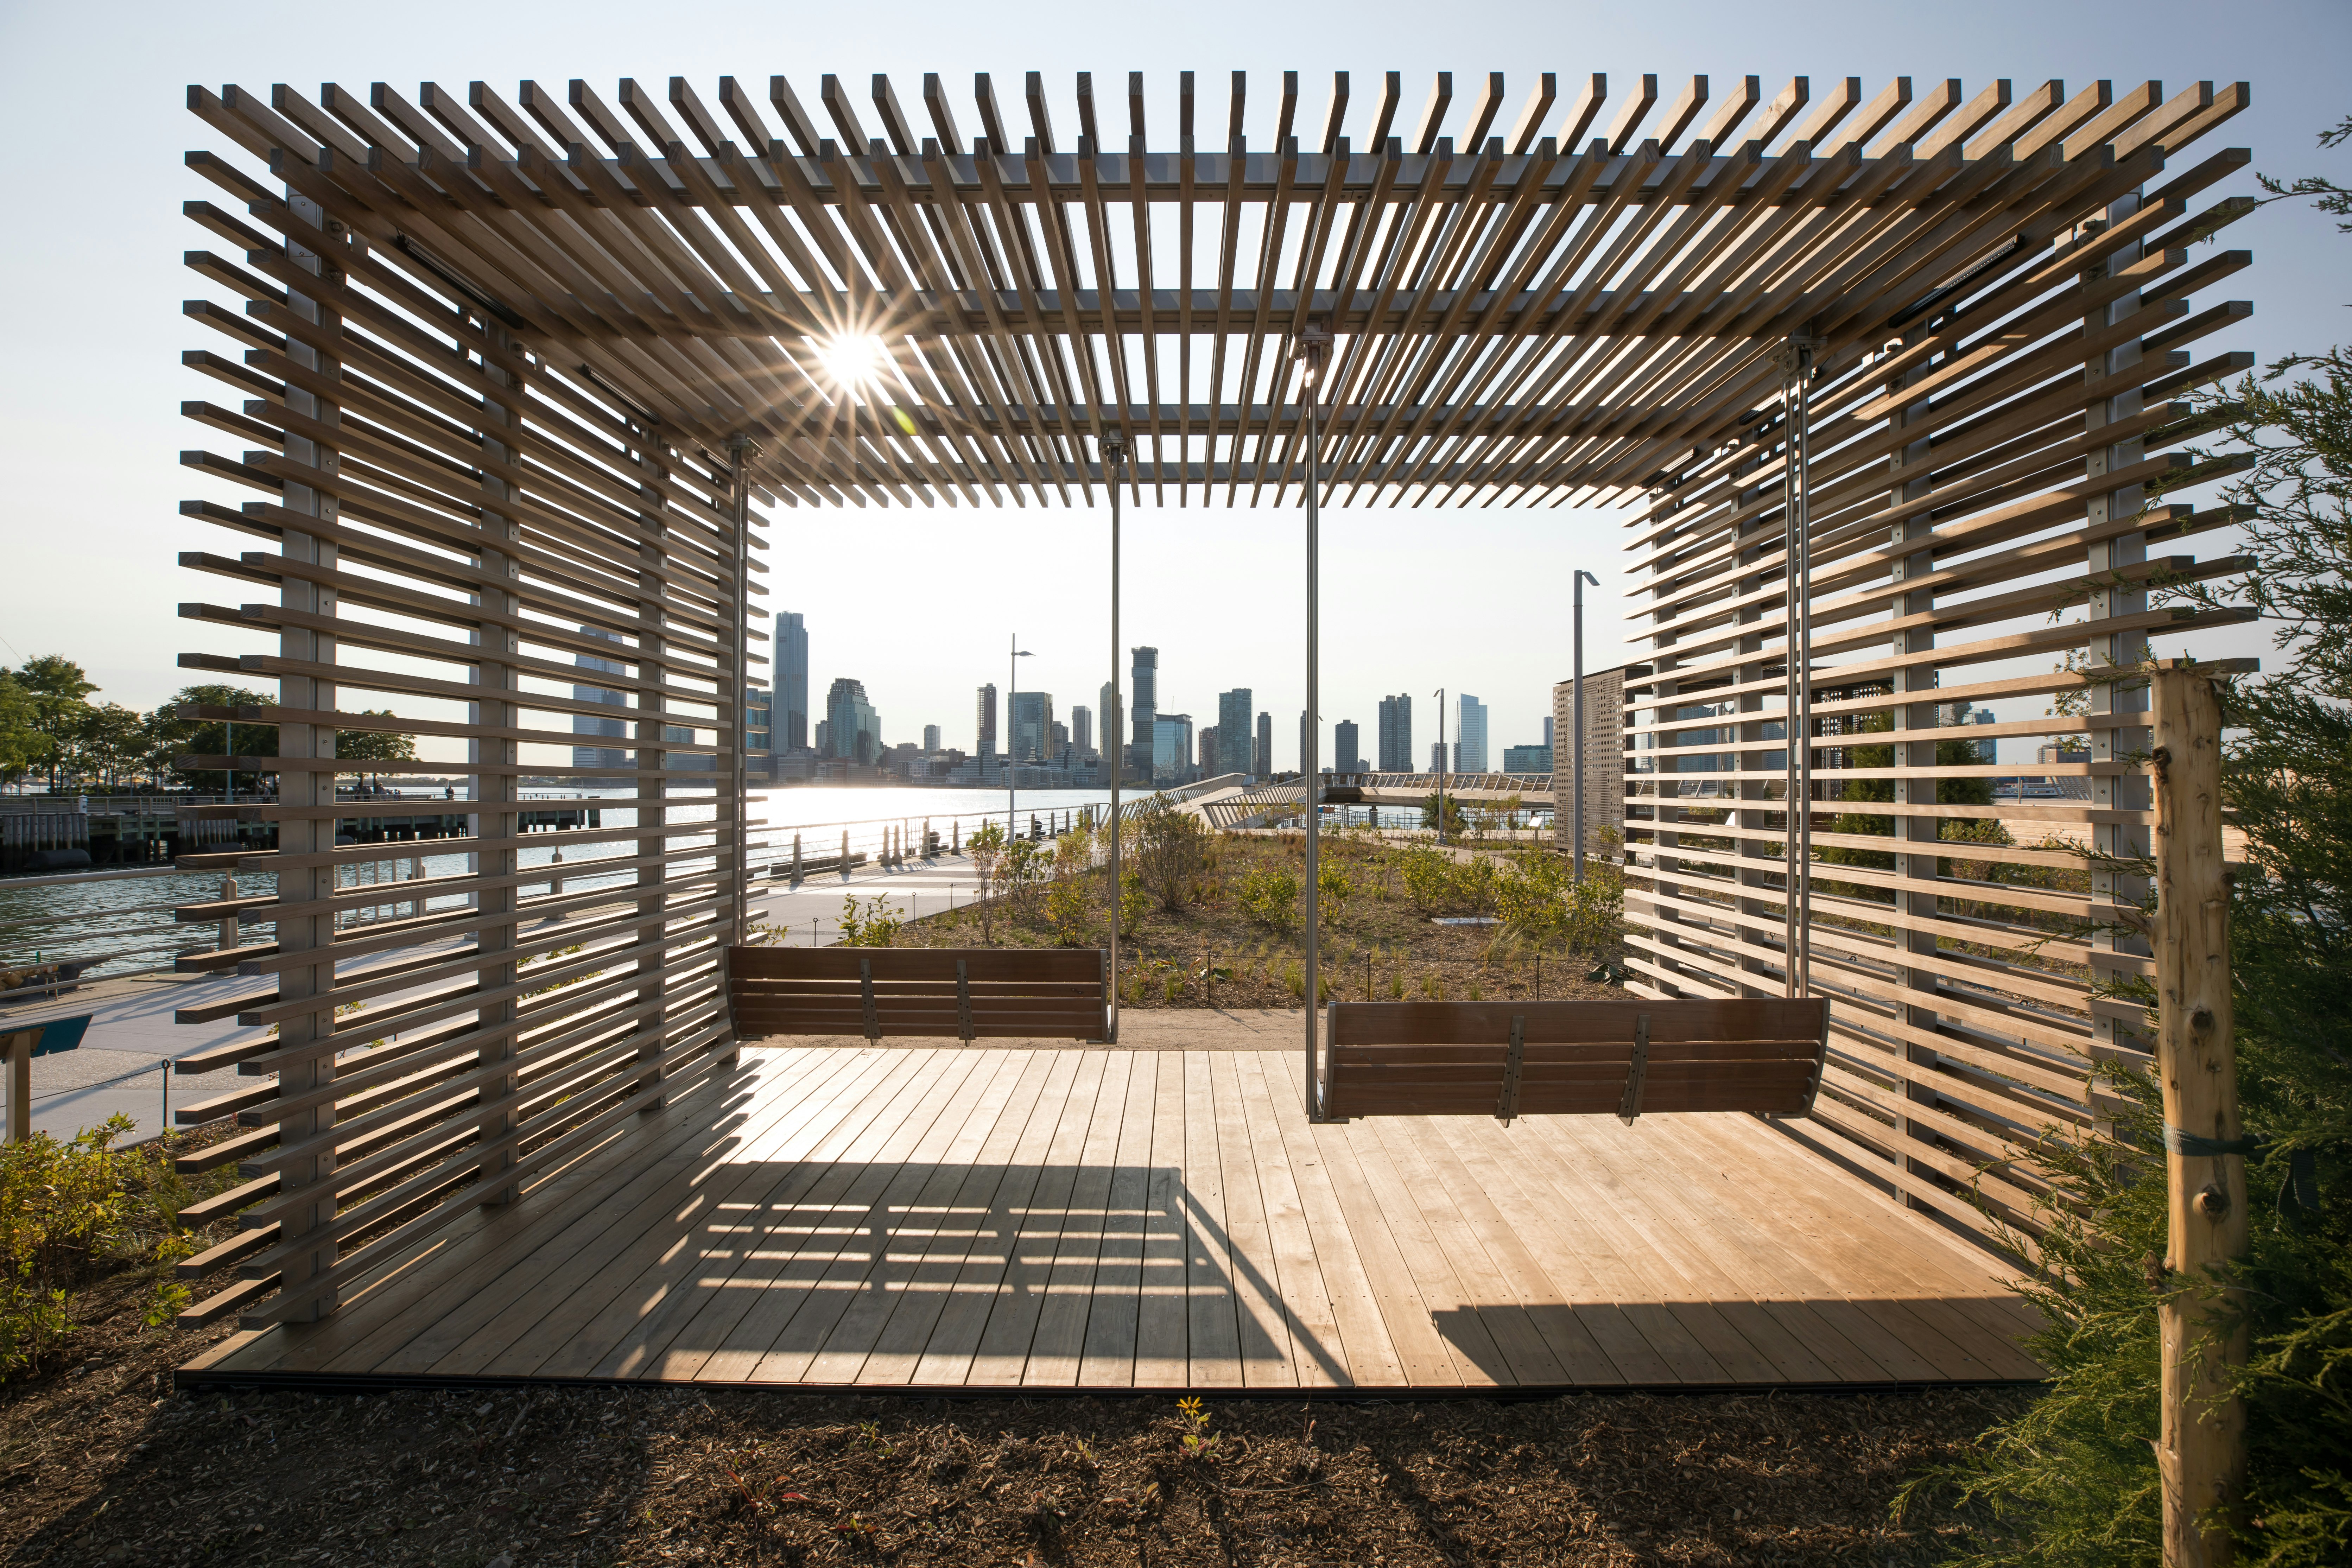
107,744
20,739
59,690
2074,1479
375,745
176,737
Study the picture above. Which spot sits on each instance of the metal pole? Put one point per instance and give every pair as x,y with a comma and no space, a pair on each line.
1113,453
1441,766
1012,681
740,448
1797,366
1576,723
1312,343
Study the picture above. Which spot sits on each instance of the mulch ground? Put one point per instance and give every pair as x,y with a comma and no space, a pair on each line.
101,1462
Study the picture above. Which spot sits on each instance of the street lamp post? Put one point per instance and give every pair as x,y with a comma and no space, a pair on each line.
1114,457
1576,723
1011,683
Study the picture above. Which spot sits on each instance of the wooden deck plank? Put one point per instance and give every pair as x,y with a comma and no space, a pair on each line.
906,1230
1254,1277
735,1259
472,1255
1213,1326
1059,1217
797,1243
476,1326
1364,1354
1499,1308
1569,1341
1063,1212
596,1305
1588,1223
1100,1333
1409,1279
1811,1215
1706,1252
1526,1206
1162,1322
961,1313
836,1245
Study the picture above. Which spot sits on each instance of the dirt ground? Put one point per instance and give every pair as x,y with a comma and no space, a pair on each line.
101,1462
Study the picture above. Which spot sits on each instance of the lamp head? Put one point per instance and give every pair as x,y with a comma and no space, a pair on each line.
1113,446
1314,344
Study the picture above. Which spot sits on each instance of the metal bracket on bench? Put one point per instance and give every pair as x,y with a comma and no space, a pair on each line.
1820,1059
866,995
964,1003
1508,1106
1631,1106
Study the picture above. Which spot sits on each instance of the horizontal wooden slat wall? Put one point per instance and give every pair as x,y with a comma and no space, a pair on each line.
453,509
1996,483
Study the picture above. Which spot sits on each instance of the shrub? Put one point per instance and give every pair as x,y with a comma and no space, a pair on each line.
1531,894
872,924
1068,910
68,1210
1426,873
1173,851
1269,894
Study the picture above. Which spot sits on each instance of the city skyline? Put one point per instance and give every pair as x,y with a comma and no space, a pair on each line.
1242,745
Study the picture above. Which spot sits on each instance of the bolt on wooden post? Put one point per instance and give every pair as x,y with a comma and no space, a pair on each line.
2201,1449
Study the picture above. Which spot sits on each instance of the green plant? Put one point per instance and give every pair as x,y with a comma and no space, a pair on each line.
1269,895
1199,1442
1067,910
869,923
1531,895
1293,979
1426,873
1173,851
1134,900
1396,986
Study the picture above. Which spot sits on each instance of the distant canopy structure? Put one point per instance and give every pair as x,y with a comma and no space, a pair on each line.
513,372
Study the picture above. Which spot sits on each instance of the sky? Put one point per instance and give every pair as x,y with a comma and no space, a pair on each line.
920,605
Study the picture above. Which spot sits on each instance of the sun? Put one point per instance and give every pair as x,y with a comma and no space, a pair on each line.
855,359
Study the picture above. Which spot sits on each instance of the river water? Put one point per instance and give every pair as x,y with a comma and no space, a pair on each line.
128,920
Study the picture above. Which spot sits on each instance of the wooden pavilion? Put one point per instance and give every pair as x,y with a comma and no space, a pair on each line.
521,373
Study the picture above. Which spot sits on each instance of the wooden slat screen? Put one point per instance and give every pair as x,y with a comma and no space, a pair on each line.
1996,474
456,518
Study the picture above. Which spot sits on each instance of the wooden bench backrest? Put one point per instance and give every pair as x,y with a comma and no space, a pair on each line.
951,993
1526,1058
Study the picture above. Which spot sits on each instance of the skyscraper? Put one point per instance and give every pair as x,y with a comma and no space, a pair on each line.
984,724
1029,726
1347,750
1547,728
1145,680
852,726
792,726
1395,738
1081,727
930,738
586,725
1233,710
1470,751
1172,748
1264,758
1209,751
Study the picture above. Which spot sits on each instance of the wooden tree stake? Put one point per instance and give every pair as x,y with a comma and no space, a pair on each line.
2203,1449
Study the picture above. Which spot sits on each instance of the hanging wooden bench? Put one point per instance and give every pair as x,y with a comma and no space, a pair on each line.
1542,1058
934,993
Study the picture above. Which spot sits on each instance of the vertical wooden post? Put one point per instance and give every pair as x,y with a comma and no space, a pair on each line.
2201,1451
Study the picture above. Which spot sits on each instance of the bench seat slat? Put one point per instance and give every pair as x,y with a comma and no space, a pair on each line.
1013,992
1758,1055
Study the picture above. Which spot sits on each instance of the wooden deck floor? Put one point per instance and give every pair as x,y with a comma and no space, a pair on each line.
1101,1218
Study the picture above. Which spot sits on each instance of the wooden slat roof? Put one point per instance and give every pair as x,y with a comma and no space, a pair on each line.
1580,298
